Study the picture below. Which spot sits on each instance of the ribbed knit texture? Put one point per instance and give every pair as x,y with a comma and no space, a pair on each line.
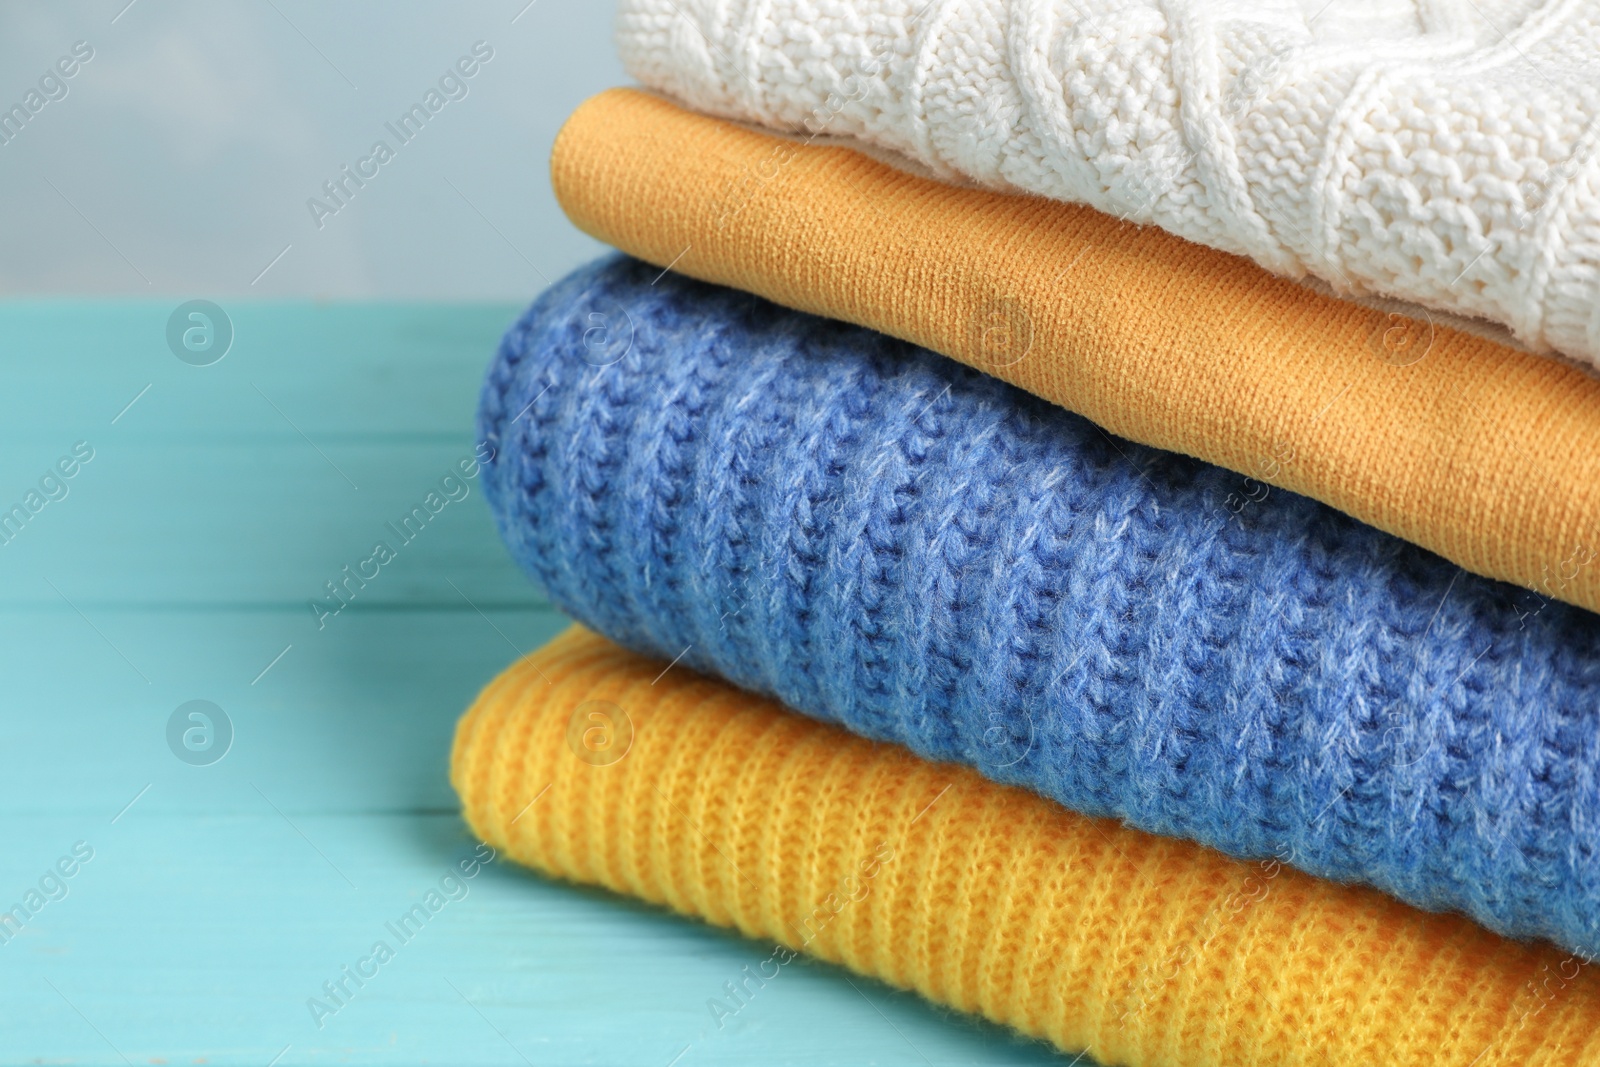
1488,456
889,540
1440,151
1146,951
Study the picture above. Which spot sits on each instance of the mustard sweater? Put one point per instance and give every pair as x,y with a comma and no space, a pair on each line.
594,764
1481,453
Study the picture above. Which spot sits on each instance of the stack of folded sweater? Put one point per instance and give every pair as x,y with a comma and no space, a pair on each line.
993,581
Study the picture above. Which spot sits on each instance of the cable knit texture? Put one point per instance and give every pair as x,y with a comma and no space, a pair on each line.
1486,455
1146,951
883,538
1438,151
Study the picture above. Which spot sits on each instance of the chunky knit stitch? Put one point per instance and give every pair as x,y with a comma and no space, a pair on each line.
883,538
1143,950
1441,151
1483,454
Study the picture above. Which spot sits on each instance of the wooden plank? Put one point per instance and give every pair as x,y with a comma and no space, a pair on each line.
191,938
337,369
357,718
259,523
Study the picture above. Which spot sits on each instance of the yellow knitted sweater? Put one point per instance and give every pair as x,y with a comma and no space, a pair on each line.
591,763
1482,453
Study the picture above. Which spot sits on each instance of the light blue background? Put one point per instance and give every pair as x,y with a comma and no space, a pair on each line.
181,562
182,157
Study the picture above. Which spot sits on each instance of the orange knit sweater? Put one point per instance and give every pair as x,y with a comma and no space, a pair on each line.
1486,455
591,763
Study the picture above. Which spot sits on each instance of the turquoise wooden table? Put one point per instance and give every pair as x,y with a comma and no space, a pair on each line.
183,878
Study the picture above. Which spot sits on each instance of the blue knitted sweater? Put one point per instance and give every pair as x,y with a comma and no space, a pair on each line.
883,538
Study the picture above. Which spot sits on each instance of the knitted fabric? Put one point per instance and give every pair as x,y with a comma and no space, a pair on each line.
889,540
588,763
1488,456
1439,151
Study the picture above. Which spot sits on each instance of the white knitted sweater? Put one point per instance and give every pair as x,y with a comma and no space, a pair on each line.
1444,152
